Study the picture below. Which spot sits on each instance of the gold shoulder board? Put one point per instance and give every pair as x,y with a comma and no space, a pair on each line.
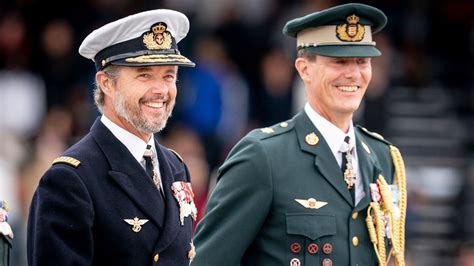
67,160
177,154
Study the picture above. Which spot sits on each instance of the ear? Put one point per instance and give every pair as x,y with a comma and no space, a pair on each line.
301,66
104,81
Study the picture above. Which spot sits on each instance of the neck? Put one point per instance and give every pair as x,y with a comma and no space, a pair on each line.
341,121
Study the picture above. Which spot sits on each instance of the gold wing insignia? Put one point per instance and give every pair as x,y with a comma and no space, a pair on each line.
136,223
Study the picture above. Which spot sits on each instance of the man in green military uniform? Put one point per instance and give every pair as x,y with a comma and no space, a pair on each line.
313,190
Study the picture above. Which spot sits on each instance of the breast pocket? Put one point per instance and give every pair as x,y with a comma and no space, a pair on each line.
309,237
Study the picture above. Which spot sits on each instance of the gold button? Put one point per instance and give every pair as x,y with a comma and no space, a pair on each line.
355,241
284,124
157,256
355,215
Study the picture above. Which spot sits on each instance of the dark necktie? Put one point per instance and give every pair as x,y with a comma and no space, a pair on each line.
347,168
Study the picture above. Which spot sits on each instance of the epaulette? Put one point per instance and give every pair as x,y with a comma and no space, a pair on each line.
67,160
374,135
275,130
177,154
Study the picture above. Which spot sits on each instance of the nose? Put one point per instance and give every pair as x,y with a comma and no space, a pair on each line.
352,71
159,87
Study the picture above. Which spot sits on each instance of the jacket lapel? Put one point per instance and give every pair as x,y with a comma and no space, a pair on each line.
324,159
129,174
368,168
172,223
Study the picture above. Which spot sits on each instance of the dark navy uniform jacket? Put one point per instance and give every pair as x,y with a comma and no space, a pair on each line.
77,213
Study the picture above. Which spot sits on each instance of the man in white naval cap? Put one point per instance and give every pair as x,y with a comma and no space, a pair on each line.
118,197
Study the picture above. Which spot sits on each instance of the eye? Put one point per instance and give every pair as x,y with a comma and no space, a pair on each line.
144,76
170,77
363,61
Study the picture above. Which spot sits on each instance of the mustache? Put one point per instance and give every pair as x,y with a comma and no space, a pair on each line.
162,98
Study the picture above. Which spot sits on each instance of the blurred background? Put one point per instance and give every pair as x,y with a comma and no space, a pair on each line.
421,98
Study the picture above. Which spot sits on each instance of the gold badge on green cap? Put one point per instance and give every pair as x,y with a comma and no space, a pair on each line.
352,32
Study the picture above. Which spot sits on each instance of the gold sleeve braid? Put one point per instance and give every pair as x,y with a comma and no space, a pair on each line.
387,213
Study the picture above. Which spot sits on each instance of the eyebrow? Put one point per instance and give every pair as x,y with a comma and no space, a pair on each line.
148,69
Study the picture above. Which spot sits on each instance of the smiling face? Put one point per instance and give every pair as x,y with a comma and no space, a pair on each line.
141,99
335,86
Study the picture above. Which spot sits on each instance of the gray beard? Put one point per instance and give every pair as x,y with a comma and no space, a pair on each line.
135,118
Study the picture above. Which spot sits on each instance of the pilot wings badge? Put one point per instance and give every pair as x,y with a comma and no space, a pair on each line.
311,203
136,223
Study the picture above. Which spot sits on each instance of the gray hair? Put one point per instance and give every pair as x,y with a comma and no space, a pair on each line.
99,97
306,54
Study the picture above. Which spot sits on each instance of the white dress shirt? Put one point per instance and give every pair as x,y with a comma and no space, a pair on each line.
334,138
134,144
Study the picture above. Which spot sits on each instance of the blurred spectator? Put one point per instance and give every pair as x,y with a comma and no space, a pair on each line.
213,98
373,111
57,61
13,41
188,144
274,102
52,139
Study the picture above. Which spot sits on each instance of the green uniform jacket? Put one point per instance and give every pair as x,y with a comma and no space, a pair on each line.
252,217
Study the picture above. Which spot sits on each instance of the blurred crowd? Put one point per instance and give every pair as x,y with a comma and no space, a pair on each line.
244,79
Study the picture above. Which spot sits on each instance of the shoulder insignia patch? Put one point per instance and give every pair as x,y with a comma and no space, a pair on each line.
177,154
67,160
377,135
272,131
267,130
374,135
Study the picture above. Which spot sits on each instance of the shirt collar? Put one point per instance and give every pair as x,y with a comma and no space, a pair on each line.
134,144
332,134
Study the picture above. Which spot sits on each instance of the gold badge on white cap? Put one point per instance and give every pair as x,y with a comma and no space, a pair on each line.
158,37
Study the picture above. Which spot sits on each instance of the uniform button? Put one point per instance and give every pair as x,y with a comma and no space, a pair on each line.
156,258
327,248
295,248
284,124
355,215
313,248
327,262
355,241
